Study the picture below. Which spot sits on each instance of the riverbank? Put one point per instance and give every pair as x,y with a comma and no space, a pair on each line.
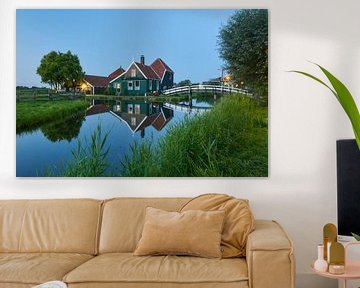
31,115
231,141
176,98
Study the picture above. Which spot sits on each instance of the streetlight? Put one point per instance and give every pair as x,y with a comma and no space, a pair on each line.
83,87
227,79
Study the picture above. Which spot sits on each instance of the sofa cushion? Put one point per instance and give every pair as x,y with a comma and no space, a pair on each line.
15,285
193,232
123,220
62,226
126,268
36,268
238,223
237,284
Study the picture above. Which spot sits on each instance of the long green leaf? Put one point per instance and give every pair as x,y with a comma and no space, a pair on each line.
344,97
357,237
316,79
347,102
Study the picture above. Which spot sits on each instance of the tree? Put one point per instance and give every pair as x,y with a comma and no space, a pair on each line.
71,70
243,45
186,82
60,70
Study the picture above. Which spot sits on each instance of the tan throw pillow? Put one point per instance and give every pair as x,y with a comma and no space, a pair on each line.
196,233
239,220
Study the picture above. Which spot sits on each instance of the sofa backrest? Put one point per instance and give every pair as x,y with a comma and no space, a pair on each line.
67,226
123,220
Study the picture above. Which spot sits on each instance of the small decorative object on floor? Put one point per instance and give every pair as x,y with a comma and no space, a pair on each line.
337,258
336,269
333,252
329,236
320,264
51,284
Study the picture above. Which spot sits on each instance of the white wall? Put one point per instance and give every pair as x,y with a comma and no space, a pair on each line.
305,120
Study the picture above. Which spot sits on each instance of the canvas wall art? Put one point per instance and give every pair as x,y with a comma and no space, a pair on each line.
142,93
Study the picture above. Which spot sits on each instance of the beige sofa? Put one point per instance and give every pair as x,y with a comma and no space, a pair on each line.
89,243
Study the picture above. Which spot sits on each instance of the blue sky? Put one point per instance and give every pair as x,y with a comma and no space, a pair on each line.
105,39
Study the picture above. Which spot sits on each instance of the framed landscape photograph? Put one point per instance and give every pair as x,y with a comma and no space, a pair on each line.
141,93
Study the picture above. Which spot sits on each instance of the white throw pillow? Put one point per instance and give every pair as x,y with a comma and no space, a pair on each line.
52,284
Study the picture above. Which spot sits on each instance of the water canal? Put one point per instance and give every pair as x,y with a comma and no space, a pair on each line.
50,146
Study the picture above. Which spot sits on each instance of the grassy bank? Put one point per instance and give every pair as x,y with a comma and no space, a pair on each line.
31,115
230,140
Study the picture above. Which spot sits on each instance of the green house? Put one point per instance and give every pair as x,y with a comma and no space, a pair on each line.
140,79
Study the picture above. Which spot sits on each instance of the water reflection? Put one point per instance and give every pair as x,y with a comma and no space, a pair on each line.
64,129
126,121
137,115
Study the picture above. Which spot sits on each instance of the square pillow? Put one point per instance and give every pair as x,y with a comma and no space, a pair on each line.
193,232
238,222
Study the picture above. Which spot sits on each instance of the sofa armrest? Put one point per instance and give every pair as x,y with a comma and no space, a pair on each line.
269,256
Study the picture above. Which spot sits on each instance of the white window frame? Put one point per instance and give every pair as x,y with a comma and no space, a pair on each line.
130,109
157,85
133,121
117,106
137,109
150,84
130,87
133,72
137,87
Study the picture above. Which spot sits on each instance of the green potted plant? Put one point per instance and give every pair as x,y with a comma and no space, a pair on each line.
346,100
357,237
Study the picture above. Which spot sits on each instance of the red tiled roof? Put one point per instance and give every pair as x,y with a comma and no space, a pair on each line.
97,81
97,109
159,66
147,122
147,71
160,122
116,73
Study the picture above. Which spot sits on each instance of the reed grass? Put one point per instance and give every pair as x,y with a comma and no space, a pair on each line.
230,140
89,159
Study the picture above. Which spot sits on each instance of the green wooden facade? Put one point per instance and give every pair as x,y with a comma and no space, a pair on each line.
134,83
167,81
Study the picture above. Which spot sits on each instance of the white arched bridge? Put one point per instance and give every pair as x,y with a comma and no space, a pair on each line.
205,88
186,108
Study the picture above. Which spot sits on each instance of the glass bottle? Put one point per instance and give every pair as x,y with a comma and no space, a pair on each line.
320,264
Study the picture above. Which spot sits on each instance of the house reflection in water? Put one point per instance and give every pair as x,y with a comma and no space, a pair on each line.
140,115
136,115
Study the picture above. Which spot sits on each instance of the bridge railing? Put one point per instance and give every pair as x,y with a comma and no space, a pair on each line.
186,108
205,88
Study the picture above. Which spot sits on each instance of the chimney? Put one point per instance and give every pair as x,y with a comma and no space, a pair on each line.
142,59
